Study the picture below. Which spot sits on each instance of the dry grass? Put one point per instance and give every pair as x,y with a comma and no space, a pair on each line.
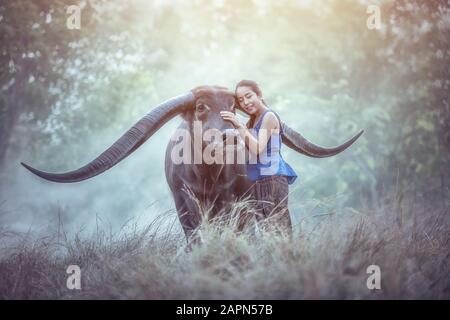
327,258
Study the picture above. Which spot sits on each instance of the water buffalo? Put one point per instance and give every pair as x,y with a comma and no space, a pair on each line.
195,186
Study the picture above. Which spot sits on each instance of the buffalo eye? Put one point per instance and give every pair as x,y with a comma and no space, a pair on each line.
201,108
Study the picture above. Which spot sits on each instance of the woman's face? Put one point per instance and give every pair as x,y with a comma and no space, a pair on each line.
248,100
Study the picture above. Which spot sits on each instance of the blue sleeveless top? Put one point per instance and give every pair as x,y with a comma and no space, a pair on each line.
269,162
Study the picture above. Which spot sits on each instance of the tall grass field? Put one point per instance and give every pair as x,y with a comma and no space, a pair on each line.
327,257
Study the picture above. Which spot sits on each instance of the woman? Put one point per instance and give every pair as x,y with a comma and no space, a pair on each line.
270,173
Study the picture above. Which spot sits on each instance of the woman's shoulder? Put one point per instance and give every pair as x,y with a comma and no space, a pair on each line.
272,112
271,117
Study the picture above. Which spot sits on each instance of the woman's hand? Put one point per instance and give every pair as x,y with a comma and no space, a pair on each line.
230,116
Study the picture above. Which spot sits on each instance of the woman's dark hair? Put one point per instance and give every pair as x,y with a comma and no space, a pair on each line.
256,89
251,84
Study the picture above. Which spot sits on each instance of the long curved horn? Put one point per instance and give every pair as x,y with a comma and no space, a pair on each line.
297,142
126,144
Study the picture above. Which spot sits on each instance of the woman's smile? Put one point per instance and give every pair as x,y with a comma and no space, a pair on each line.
250,108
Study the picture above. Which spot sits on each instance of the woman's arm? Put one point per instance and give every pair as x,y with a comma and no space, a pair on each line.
269,126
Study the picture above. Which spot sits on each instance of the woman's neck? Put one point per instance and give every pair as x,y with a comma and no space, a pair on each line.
259,113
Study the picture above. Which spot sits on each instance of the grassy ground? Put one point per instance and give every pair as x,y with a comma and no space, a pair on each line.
327,258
